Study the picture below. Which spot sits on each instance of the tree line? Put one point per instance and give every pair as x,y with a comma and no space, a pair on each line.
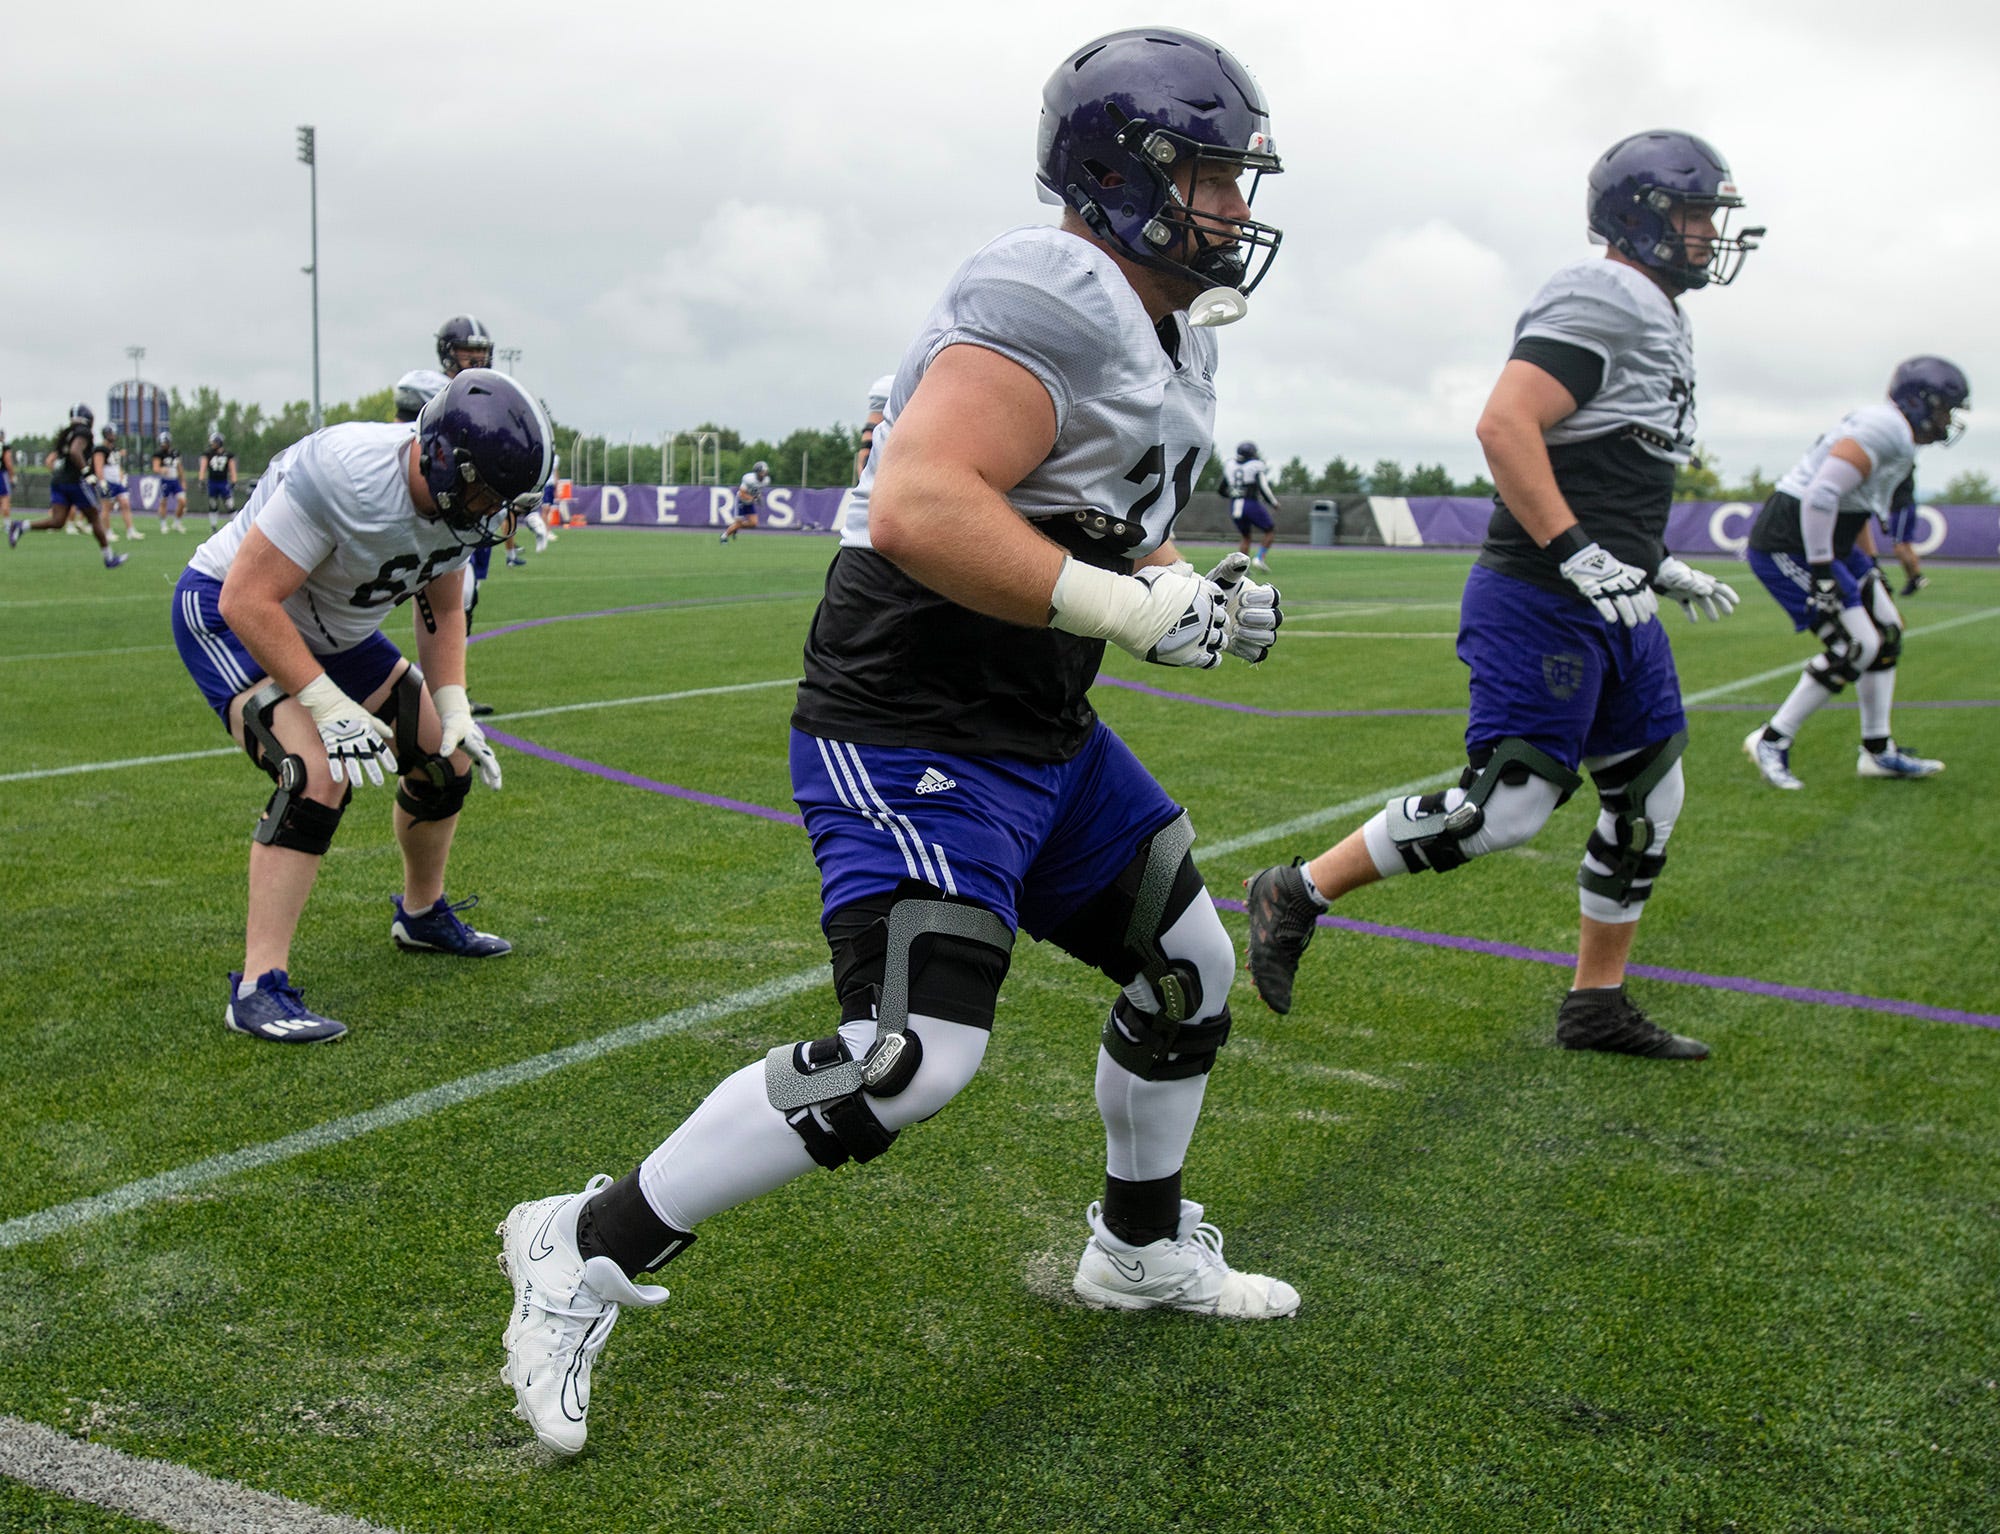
825,456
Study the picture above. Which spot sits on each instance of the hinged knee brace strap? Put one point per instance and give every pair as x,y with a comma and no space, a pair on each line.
290,819
1622,789
820,1074
1430,838
1176,984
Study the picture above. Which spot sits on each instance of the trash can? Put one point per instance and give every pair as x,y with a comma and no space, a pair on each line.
1325,523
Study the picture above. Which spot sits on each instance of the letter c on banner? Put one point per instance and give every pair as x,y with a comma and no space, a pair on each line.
779,504
1933,529
611,506
1729,543
663,503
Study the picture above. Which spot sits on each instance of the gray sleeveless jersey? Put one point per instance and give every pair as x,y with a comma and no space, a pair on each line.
1614,457
889,662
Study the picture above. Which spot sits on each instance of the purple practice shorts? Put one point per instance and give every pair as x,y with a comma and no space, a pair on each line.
222,667
77,495
1029,841
1788,579
1246,511
1548,668
171,489
1903,525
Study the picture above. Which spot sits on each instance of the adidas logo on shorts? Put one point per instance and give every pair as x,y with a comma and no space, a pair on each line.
934,782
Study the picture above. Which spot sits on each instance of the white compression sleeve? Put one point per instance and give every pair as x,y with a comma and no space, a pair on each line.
1835,478
1877,691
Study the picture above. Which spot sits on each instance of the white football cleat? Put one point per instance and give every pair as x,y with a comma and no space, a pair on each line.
1184,1273
1773,760
1896,763
564,1309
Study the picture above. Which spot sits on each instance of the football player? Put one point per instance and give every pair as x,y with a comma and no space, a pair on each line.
218,470
278,618
108,461
1251,502
462,342
173,502
72,487
749,499
878,402
1900,528
6,478
1593,411
1803,548
1044,431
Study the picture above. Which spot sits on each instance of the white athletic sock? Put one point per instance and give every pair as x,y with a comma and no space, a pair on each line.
1807,699
1312,889
1877,690
1147,1124
246,988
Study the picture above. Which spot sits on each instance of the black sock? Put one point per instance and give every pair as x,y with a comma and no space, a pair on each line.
618,1223
1140,1213
1773,735
1875,745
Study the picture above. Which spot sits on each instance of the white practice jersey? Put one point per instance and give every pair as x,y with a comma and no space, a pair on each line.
114,466
1884,435
1133,425
1245,477
338,506
751,491
1642,338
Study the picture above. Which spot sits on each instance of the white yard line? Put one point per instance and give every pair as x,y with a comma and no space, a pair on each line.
147,1190
155,1490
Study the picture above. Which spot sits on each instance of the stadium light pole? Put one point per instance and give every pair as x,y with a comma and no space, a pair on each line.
138,356
507,356
310,159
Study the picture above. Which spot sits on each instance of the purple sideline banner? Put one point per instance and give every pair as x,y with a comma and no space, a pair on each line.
1693,527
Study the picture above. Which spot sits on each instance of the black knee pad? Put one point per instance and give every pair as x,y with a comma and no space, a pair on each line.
1157,1049
403,712
433,791
1117,931
303,825
1622,790
1430,838
1892,647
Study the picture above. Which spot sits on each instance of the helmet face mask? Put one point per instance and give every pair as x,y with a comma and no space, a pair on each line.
1134,127
1932,395
1648,192
462,342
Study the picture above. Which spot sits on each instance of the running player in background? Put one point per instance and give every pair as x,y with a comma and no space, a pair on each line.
173,494
71,469
6,478
278,618
749,499
1045,431
1803,547
854,502
1592,413
1251,501
218,471
1901,530
114,494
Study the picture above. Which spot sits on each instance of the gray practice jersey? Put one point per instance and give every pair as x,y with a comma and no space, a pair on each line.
1245,478
890,662
338,506
1885,436
1624,351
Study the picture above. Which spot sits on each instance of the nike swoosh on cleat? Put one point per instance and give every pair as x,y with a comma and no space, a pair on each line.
1134,1273
540,1246
569,1386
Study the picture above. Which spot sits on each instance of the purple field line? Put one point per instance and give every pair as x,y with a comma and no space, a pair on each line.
1442,713
633,780
1739,983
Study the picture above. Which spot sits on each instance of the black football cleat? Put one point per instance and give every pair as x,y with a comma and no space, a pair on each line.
1606,1020
1282,920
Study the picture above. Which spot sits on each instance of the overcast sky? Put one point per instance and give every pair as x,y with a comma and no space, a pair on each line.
741,212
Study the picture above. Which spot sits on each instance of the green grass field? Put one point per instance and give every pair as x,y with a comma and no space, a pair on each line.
1542,1291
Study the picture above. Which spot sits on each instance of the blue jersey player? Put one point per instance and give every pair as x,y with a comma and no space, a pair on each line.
1044,430
73,482
1583,431
1247,486
1805,548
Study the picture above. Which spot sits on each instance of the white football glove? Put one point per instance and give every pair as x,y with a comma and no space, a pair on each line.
1165,614
1616,589
462,732
355,740
1697,593
1253,613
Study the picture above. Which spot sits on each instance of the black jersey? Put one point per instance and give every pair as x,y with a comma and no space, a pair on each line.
66,471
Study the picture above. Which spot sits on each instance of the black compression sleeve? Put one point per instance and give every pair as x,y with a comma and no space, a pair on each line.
1576,368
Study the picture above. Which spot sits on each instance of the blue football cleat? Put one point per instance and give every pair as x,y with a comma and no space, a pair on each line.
15,527
275,1011
439,930
1896,763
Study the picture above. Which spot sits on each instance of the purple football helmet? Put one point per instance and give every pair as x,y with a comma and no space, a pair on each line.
1123,115
80,414
1245,451
1930,392
484,432
463,333
1639,186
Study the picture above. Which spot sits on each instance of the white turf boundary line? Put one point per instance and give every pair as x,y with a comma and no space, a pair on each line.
48,1222
154,1490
